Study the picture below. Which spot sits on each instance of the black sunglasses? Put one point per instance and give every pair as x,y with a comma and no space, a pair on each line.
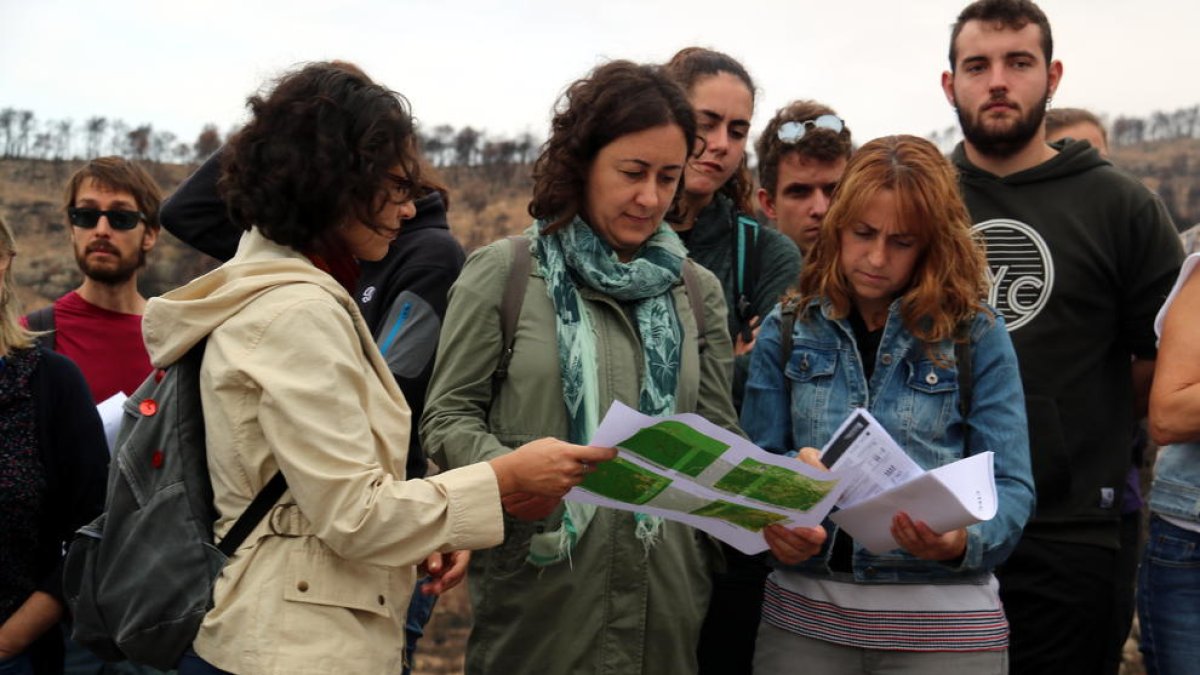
118,219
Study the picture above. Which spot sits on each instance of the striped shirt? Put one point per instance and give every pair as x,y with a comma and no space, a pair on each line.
898,617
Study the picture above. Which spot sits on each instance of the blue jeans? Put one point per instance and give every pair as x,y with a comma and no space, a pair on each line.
420,608
191,664
17,665
1169,599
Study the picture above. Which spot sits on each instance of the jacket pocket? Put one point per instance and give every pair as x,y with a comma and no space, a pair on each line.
810,373
509,557
322,579
931,397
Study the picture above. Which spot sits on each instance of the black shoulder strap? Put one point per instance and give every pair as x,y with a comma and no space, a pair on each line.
691,285
748,257
42,321
966,382
787,319
511,302
966,376
253,515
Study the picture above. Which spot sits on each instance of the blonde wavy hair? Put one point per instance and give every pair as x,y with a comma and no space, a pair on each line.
949,279
12,334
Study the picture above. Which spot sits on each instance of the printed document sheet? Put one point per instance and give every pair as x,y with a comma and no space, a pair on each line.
686,469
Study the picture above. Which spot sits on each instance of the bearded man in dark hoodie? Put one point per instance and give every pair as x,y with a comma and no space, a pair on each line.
1080,258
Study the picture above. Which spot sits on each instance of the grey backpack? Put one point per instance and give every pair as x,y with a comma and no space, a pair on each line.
138,579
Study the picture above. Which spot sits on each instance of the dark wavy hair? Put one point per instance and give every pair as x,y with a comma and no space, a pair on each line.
1010,14
823,145
319,149
615,99
693,63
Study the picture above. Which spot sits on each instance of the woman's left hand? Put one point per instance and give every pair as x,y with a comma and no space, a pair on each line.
924,543
743,346
446,569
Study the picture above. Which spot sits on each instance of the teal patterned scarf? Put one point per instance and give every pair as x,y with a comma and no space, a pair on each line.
574,256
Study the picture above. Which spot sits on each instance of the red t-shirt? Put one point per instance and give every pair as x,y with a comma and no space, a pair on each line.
107,346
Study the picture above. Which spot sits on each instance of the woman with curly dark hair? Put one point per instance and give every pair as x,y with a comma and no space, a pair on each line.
292,383
604,317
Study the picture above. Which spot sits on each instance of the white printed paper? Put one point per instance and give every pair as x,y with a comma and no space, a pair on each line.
868,458
687,469
111,414
882,480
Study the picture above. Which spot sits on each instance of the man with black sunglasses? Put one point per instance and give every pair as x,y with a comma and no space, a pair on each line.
801,157
112,206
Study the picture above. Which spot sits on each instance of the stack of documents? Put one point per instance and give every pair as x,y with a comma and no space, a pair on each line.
685,468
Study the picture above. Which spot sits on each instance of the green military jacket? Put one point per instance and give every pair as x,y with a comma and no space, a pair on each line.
613,607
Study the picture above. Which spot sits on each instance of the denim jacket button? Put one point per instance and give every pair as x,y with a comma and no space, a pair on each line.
886,359
931,378
870,571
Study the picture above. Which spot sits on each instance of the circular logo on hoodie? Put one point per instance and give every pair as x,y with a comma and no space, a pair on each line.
1020,270
367,294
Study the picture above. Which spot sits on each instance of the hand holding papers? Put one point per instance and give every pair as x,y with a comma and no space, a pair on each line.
685,468
883,480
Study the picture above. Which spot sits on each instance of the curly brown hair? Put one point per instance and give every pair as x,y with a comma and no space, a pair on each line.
319,149
689,65
949,280
614,100
822,145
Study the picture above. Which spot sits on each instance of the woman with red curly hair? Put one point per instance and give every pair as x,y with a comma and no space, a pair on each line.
893,283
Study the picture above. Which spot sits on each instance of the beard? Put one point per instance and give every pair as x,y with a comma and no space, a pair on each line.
1002,143
111,275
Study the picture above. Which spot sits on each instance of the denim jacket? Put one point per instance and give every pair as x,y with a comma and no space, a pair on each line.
916,400
1176,488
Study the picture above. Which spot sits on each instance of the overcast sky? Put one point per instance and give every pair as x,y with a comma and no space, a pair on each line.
500,65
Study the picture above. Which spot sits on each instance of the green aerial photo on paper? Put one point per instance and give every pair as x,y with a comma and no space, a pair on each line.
624,481
675,445
775,485
742,516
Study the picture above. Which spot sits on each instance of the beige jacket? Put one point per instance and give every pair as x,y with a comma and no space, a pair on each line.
292,380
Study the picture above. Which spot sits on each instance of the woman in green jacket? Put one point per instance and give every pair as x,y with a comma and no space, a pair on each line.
605,317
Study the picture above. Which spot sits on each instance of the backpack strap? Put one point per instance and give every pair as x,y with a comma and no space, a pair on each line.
253,515
747,260
966,380
511,302
787,321
42,321
691,285
962,355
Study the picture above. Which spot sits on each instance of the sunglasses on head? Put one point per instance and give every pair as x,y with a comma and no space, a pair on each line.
792,132
118,219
